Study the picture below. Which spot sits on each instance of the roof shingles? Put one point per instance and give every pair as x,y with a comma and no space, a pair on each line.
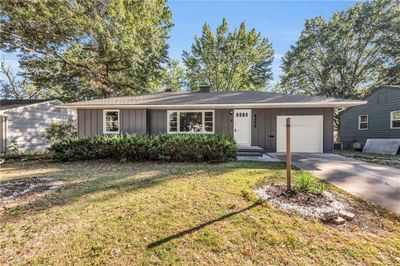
209,98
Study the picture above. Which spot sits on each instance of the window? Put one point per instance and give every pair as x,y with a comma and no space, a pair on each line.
111,121
395,119
191,122
363,122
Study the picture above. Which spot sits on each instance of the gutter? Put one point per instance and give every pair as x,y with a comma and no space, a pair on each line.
216,106
14,109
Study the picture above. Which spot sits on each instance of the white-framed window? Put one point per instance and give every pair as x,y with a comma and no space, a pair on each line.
395,120
111,122
363,122
191,121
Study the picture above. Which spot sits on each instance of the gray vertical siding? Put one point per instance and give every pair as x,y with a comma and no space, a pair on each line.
263,133
380,104
90,121
157,121
223,122
133,121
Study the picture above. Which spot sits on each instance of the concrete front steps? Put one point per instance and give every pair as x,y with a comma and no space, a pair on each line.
245,151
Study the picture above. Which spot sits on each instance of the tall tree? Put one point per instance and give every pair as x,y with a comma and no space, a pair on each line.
13,88
229,60
86,49
170,77
345,56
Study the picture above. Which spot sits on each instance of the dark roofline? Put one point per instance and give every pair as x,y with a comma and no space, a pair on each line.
14,103
225,99
375,89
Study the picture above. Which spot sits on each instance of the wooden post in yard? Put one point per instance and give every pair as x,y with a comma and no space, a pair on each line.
288,156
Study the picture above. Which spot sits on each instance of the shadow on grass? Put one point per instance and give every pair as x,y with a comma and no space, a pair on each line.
98,176
200,226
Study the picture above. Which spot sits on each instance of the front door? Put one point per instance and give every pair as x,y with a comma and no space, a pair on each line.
242,126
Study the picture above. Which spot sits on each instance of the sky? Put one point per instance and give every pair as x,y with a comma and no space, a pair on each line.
280,21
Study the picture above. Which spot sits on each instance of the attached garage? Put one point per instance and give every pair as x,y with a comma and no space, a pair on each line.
306,133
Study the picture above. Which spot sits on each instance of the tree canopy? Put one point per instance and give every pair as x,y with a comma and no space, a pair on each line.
346,55
87,49
170,77
229,60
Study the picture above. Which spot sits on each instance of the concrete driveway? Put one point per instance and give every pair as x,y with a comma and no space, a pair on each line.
374,183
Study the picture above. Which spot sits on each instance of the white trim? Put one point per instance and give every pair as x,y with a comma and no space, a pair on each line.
391,120
191,111
104,121
282,137
216,106
359,122
235,111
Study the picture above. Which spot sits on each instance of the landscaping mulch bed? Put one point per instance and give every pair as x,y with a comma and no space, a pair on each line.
314,206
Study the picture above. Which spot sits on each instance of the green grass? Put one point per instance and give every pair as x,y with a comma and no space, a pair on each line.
389,160
152,213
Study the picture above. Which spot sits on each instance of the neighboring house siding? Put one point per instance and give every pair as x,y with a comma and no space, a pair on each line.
3,122
263,133
380,104
90,121
26,125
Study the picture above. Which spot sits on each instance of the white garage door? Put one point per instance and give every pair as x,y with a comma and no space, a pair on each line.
306,133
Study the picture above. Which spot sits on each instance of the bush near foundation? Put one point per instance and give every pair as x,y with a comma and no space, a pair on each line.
178,147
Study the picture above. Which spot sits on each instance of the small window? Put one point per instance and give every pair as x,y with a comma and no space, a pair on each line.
395,120
209,122
111,121
363,122
173,122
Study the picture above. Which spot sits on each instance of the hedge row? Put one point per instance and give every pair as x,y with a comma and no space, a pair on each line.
182,148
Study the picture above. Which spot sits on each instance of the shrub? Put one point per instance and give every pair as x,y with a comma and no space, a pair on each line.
180,147
306,182
59,130
25,155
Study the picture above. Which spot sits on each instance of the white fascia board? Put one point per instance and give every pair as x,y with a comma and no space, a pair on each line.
218,106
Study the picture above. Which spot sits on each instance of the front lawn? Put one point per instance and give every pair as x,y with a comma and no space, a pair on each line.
173,213
388,160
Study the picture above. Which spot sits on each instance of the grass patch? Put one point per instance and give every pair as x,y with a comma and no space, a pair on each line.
388,160
173,213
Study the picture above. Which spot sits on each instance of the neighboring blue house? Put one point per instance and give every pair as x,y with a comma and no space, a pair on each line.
378,119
